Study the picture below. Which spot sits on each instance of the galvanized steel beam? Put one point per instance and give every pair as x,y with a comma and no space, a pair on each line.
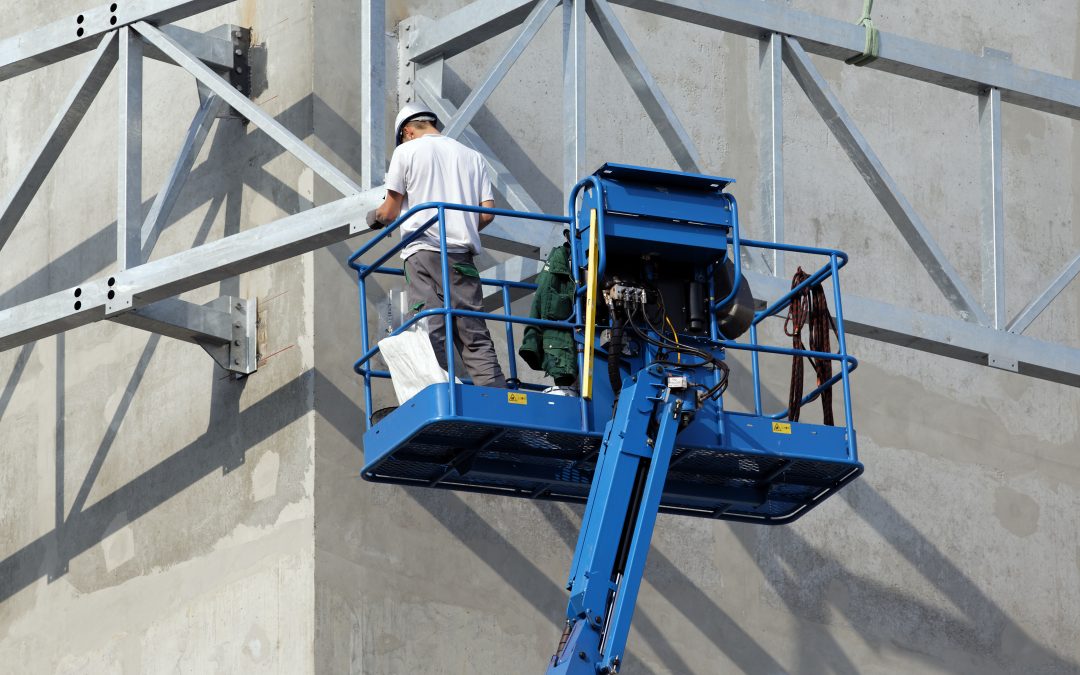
899,55
993,208
373,92
574,20
274,129
467,27
129,164
771,141
944,336
57,136
645,87
83,32
166,277
161,208
1034,308
882,184
478,96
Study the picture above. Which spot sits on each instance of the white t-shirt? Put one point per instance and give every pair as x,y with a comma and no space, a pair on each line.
435,168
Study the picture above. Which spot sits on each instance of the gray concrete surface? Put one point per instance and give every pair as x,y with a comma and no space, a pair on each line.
158,517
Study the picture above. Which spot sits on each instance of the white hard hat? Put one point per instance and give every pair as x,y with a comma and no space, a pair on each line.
410,112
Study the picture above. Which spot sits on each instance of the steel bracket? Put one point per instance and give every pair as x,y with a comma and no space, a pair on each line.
1003,362
225,328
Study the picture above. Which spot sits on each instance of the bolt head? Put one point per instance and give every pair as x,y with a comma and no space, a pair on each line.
236,362
236,343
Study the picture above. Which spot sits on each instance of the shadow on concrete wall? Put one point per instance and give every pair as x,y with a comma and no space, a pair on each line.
82,528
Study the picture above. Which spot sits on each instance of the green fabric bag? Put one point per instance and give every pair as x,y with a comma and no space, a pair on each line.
552,349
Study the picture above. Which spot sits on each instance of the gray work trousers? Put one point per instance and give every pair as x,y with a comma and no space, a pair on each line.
423,275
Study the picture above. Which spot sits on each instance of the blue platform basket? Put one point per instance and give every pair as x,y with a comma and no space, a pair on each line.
752,467
531,445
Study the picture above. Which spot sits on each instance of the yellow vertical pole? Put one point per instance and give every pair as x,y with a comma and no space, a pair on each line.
590,307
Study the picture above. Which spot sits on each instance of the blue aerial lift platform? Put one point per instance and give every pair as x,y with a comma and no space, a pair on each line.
656,261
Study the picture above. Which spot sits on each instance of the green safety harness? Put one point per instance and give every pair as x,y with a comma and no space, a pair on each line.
870,51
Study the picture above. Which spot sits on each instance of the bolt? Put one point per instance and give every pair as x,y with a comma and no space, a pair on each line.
582,656
236,362
239,69
236,343
237,34
239,305
408,27
598,620
239,52
236,324
408,80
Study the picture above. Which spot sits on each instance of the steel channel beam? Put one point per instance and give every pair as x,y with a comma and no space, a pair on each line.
274,129
771,140
165,200
993,208
373,92
1034,308
467,27
574,18
83,32
57,136
478,96
899,55
882,184
187,270
129,156
648,92
944,336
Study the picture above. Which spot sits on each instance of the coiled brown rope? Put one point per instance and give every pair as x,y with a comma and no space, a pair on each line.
809,307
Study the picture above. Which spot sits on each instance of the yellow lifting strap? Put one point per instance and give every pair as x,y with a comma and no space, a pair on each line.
590,308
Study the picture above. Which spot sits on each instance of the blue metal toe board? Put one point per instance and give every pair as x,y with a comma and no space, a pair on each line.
533,445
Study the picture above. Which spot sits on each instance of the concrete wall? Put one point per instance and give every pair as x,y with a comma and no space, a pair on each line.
158,516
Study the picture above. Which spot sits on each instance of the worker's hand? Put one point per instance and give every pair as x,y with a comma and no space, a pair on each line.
373,220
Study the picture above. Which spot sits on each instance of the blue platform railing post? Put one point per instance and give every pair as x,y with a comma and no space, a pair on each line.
509,333
842,347
364,342
448,312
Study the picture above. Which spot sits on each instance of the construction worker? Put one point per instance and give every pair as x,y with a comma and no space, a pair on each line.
429,167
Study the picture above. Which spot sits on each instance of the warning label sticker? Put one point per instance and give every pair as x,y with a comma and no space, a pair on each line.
781,428
517,397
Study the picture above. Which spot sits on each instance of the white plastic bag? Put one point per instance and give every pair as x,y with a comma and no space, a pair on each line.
412,364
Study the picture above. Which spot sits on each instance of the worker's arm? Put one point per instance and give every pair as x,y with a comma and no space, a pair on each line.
486,218
388,211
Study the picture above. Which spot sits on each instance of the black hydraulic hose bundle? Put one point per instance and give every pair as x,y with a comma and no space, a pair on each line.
671,346
809,307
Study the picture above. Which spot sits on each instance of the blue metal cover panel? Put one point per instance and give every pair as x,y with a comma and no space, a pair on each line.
535,447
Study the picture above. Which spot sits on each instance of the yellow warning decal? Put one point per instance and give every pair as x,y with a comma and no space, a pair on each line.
517,397
781,428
